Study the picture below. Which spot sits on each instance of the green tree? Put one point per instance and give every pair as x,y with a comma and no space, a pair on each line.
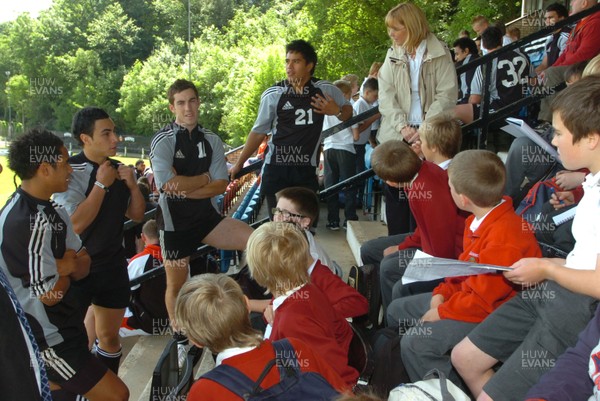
143,104
501,10
114,36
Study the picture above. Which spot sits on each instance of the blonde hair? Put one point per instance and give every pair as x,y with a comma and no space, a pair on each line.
375,67
593,67
344,86
479,175
413,19
211,310
150,229
443,133
479,19
278,257
352,78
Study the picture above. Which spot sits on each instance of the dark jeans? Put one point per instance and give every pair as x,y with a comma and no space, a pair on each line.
339,166
360,167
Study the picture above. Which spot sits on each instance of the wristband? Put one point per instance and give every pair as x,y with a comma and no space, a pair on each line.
207,176
101,185
339,115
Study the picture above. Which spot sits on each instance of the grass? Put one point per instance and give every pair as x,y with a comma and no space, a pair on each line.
7,186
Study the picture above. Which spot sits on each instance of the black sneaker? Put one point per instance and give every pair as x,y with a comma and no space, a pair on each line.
333,225
345,225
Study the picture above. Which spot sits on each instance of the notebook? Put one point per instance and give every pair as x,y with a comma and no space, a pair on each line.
564,216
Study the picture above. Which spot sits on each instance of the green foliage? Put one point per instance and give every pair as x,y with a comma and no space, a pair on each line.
143,103
501,10
114,36
123,54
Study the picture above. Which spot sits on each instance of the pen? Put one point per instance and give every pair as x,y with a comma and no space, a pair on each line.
553,192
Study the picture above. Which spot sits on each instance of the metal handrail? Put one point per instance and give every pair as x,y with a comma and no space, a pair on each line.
485,117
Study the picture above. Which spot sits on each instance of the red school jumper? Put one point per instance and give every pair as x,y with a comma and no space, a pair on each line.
253,362
502,239
308,316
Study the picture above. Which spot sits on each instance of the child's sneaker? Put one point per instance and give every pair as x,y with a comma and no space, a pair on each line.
333,225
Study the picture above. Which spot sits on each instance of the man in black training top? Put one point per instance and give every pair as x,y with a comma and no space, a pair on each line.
189,168
44,260
102,194
293,110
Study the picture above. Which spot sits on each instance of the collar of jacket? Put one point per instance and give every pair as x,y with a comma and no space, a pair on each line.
434,49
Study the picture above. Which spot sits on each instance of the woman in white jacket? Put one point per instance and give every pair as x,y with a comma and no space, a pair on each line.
417,81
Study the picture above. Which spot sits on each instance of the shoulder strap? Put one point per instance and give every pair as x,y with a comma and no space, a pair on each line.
286,358
232,379
435,373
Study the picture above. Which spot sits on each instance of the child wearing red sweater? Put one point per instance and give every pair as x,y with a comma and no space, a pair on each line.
300,206
494,234
213,312
279,260
440,224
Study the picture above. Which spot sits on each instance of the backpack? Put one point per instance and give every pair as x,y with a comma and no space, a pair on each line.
293,385
531,206
365,280
389,370
431,388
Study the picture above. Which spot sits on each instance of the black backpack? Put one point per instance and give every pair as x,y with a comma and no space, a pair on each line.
365,280
389,370
293,385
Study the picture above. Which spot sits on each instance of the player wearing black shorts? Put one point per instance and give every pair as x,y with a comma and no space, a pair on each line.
43,258
293,110
189,169
102,193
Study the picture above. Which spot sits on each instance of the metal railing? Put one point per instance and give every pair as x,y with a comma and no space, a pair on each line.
485,118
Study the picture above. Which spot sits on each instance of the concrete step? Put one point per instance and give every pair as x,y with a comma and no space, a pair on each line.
205,364
359,232
137,367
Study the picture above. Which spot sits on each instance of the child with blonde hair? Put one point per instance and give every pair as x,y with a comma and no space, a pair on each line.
279,260
212,311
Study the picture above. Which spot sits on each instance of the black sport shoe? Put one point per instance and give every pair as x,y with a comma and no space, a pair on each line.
333,225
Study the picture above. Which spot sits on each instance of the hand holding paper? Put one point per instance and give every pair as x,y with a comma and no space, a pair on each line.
528,271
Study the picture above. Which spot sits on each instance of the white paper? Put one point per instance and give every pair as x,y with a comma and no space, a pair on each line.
565,216
519,128
424,267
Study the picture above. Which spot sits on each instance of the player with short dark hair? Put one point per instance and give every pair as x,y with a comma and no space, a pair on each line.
43,259
293,110
102,193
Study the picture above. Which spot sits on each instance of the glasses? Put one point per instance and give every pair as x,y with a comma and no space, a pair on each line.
286,214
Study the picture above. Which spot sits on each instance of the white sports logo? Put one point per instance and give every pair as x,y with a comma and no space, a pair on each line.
287,106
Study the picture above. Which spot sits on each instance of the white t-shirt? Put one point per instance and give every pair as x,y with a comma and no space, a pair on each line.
415,116
343,140
360,106
586,227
